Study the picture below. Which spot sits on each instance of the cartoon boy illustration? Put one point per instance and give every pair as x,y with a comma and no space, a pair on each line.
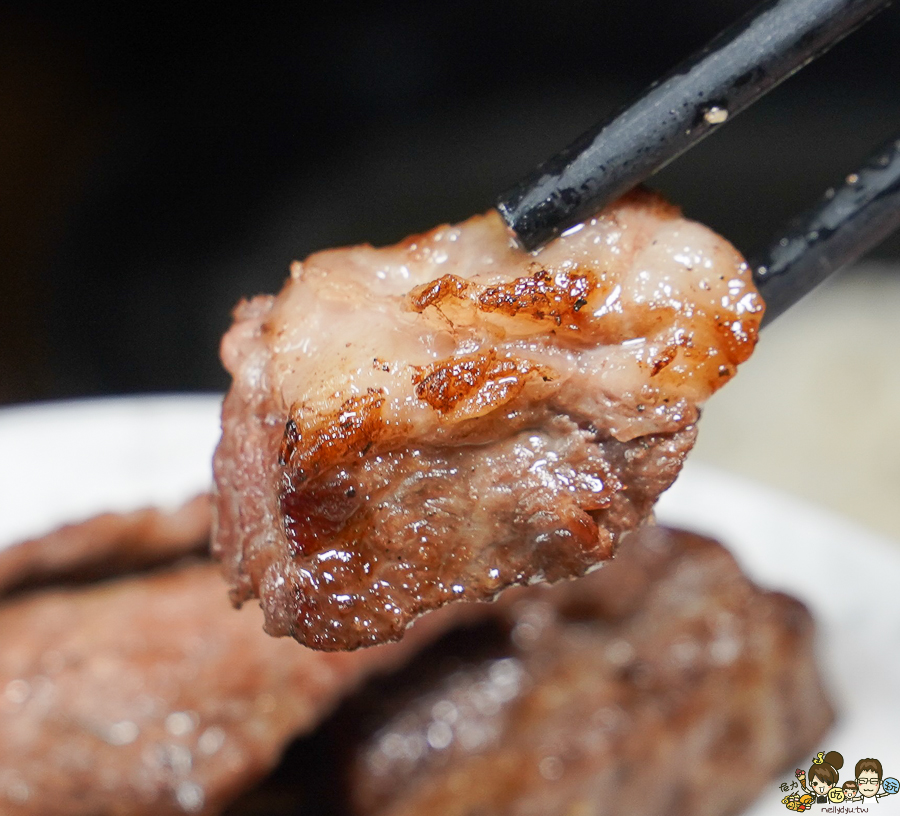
823,775
869,776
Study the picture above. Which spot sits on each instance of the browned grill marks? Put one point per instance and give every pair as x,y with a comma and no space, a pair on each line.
431,294
557,297
553,296
311,445
473,384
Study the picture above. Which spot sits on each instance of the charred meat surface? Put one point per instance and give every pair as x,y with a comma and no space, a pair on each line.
442,419
666,683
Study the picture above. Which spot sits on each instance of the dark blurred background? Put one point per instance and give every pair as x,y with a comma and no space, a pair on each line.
159,162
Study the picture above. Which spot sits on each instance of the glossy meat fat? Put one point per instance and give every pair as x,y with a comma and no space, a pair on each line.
441,419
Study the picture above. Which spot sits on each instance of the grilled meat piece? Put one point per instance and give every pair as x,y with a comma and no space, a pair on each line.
441,419
665,683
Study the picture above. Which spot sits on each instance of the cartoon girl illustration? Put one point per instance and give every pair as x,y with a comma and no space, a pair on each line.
823,775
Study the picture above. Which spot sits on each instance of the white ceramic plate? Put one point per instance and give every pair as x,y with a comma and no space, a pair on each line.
67,461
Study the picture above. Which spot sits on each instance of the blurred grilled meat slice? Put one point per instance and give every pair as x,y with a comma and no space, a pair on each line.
665,683
441,419
106,545
150,695
146,695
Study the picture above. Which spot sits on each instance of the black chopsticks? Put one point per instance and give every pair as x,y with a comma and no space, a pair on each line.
732,72
847,221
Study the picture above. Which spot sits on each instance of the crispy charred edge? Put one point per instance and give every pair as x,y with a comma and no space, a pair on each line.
316,497
664,358
556,297
473,385
437,291
309,447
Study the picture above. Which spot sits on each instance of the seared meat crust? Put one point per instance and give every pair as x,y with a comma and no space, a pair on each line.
442,419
